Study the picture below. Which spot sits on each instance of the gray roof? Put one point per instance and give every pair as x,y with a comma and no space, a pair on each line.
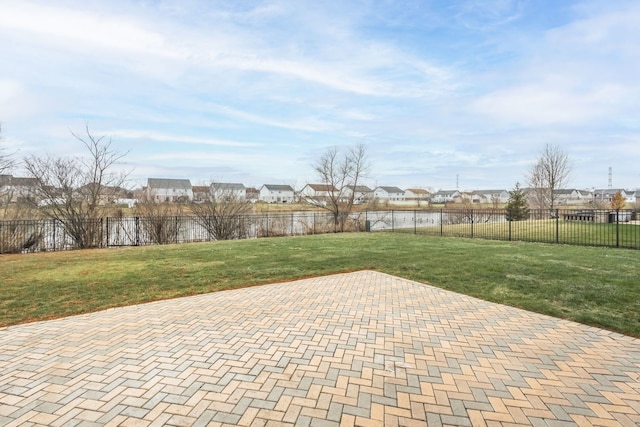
17,181
564,191
360,188
612,191
391,189
417,190
182,184
24,182
321,187
274,187
490,191
446,192
232,186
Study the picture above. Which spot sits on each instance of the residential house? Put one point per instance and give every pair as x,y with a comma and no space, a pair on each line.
5,190
572,197
318,193
444,196
201,193
169,190
13,188
253,194
229,191
272,193
117,195
604,196
416,195
490,196
391,194
361,194
463,197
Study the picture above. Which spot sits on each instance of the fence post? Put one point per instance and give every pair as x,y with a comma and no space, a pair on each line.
393,229
366,220
617,228
441,225
472,223
267,218
509,221
415,223
292,223
557,226
54,234
137,225
107,233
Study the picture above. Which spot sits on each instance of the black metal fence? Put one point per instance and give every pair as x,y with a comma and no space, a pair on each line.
52,235
576,227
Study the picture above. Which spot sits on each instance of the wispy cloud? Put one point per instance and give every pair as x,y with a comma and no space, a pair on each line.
146,135
79,30
488,14
435,88
574,75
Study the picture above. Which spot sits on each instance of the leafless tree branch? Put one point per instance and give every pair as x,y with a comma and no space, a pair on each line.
76,191
551,172
340,175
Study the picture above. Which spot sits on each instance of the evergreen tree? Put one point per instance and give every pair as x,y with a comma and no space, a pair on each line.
517,206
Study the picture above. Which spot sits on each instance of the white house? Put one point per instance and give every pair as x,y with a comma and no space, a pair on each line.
272,193
571,196
606,195
234,191
489,196
169,190
392,194
19,188
416,195
5,188
444,196
361,194
318,192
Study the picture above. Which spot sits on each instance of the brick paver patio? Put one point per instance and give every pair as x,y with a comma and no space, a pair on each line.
363,348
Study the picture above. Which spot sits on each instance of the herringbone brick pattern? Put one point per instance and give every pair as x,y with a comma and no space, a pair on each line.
359,349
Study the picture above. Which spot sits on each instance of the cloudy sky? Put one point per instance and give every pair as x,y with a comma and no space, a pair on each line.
441,92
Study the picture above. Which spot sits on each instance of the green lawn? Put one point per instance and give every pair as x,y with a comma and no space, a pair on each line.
596,286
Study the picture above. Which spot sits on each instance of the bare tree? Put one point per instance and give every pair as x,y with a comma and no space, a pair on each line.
550,173
223,214
340,175
160,220
75,190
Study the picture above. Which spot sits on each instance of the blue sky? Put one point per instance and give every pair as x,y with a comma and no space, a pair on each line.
441,92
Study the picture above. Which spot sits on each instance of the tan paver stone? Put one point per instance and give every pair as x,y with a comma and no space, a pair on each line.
356,349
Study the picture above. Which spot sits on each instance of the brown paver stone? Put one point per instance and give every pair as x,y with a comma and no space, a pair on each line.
357,349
